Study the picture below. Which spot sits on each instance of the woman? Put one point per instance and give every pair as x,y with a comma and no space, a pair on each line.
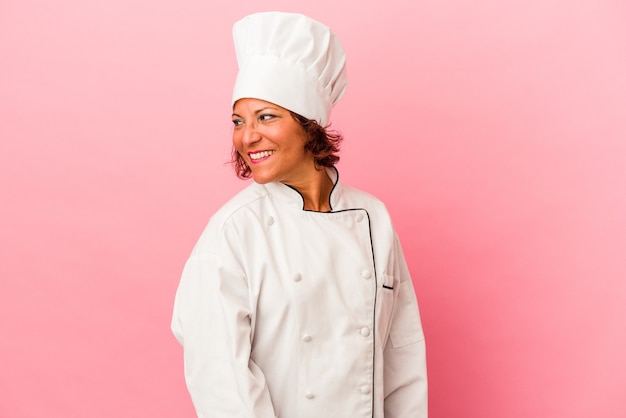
296,301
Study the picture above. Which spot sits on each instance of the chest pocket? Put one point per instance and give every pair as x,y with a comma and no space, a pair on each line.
387,294
406,326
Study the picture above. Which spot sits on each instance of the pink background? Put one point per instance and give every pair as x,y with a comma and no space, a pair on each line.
494,131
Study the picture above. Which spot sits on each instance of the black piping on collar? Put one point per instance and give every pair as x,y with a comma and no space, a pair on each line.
329,195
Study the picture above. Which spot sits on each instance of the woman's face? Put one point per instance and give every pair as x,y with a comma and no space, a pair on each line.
271,142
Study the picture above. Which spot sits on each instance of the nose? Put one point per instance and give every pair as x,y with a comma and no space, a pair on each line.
250,134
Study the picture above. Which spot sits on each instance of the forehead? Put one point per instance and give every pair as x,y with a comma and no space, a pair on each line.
252,104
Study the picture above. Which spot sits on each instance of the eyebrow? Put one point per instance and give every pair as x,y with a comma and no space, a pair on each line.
256,112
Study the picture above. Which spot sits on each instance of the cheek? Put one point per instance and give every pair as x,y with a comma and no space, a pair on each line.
237,142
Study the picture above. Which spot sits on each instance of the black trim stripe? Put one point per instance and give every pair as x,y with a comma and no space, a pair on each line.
330,205
369,224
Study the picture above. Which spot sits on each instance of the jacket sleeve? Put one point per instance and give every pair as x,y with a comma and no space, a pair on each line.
405,382
212,321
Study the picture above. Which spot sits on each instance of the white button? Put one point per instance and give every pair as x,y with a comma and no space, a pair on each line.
270,221
358,217
365,390
309,395
365,331
366,274
297,277
307,338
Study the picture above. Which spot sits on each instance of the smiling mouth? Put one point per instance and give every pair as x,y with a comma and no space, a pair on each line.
260,156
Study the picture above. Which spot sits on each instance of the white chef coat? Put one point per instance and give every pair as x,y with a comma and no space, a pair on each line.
289,313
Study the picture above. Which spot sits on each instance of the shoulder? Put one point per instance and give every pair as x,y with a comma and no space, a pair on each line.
356,198
251,195
377,212
379,217
217,229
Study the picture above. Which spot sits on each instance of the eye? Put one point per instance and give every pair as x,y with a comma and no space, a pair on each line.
237,122
266,117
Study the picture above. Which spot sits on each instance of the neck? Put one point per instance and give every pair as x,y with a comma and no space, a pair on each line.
316,192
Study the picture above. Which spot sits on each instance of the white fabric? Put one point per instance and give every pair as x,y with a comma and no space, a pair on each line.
290,60
290,313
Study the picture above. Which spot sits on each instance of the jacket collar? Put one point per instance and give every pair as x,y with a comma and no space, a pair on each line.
293,198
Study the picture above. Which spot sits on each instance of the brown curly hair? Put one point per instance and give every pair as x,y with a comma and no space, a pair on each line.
322,143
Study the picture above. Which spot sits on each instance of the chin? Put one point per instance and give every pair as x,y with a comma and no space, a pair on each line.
261,179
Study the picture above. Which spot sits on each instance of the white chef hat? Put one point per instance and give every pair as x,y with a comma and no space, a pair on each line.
290,60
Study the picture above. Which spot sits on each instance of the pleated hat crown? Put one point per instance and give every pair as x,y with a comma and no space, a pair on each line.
290,60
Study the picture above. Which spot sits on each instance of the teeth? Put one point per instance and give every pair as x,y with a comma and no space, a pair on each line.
262,154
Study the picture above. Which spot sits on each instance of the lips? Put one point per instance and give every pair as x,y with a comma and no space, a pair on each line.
259,156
